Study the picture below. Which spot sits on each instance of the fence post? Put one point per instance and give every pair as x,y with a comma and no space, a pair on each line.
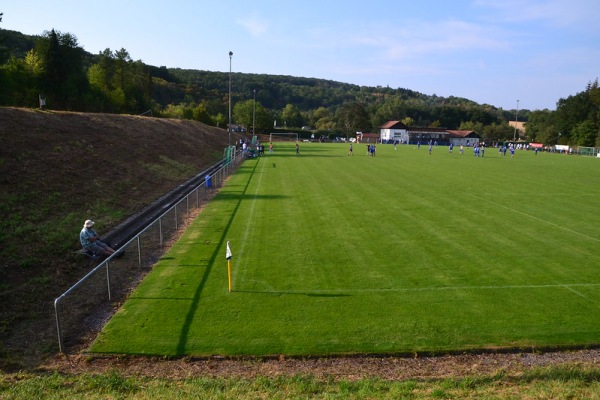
160,231
108,280
58,329
139,251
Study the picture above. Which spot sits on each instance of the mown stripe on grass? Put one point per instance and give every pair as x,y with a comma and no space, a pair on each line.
338,254
534,217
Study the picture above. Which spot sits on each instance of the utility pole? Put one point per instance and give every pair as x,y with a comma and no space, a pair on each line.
516,122
229,126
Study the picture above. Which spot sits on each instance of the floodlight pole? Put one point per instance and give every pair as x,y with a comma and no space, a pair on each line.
254,113
516,122
229,126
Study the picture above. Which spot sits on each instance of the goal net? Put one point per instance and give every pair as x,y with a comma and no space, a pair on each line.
587,151
283,137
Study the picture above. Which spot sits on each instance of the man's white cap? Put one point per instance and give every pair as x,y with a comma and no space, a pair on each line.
88,223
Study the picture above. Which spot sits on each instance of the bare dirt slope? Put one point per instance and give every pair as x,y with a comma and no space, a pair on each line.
58,169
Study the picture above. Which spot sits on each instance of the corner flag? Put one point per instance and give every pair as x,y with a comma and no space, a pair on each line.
228,255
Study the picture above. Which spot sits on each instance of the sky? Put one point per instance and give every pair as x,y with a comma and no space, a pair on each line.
524,54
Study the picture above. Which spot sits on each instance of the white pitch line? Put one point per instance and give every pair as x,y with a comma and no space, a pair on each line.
536,218
436,288
249,225
578,293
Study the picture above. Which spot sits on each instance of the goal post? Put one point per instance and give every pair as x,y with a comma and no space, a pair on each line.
587,151
283,137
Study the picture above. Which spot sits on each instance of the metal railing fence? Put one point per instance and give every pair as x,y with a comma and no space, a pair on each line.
82,310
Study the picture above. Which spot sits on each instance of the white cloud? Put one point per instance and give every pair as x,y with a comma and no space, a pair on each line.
558,13
419,38
254,25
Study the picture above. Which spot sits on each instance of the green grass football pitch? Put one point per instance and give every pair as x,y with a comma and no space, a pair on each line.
399,253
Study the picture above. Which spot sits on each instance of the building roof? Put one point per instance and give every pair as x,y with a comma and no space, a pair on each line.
462,134
426,129
393,125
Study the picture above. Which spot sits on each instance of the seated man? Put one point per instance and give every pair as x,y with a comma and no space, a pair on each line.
90,241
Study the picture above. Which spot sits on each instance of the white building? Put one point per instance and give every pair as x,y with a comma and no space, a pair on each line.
393,131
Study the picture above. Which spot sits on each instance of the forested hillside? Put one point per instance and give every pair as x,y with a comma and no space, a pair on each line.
55,67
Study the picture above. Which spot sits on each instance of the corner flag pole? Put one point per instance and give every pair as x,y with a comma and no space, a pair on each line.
228,255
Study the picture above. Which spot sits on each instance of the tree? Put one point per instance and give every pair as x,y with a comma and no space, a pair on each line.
321,119
63,80
291,116
127,85
199,113
54,71
242,113
351,118
577,117
471,126
15,84
584,134
219,120
249,111
541,127
408,121
572,111
122,61
263,118
593,92
497,132
389,109
3,48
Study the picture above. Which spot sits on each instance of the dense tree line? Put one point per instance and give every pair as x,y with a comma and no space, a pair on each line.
575,122
55,67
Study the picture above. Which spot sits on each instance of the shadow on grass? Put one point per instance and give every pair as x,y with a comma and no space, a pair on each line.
281,293
242,195
185,329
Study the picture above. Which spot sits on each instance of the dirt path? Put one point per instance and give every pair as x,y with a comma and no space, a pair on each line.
350,368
